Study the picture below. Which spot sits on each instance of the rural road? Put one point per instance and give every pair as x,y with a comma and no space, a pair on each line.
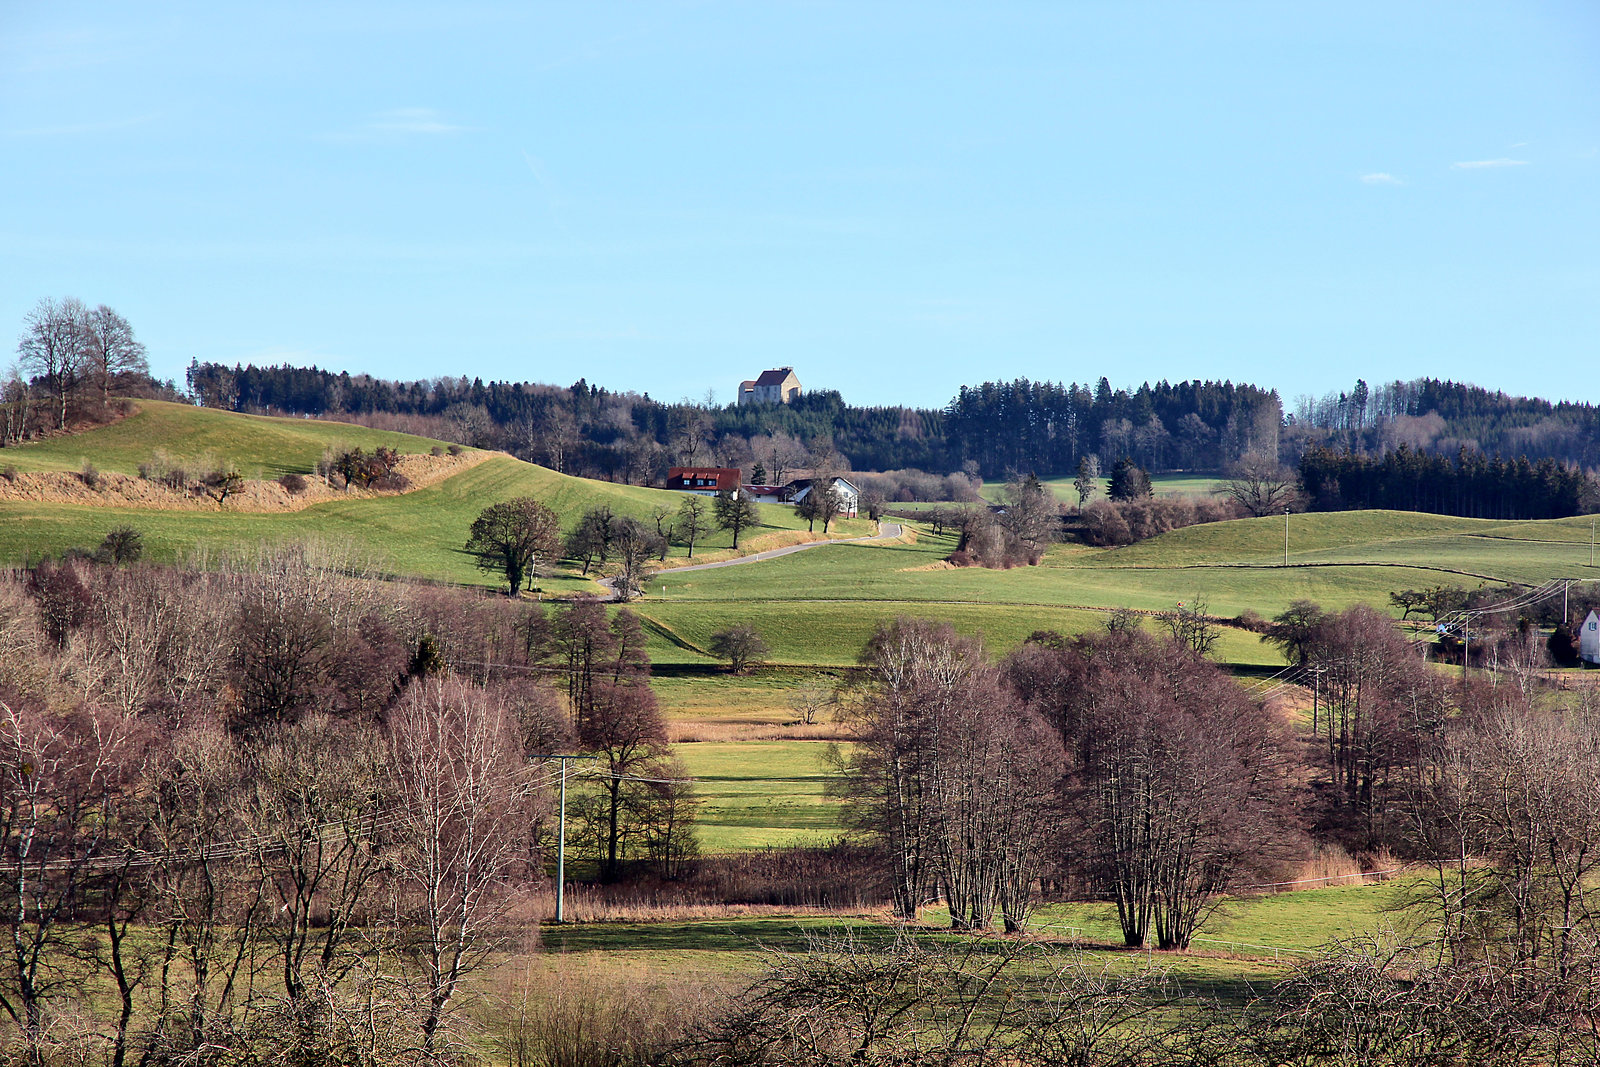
887,531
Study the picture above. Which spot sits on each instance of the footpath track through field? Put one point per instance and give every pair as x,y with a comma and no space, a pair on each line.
887,531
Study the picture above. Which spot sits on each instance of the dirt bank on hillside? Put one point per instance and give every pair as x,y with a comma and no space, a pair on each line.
126,491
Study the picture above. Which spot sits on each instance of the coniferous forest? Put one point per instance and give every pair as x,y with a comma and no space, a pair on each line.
1425,445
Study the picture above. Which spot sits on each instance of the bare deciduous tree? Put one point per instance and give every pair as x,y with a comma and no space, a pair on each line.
623,726
54,346
208,907
634,545
111,349
15,400
694,520
590,541
1088,479
313,797
1190,626
736,513
1261,485
514,538
62,775
741,645
1032,515
815,697
461,794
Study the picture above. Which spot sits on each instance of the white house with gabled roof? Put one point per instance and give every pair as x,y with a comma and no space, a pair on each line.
849,495
1589,639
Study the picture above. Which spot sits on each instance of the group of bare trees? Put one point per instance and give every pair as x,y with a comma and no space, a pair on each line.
1016,532
1122,761
642,808
520,539
1375,704
952,774
1493,783
68,351
1509,809
279,809
1177,785
977,1002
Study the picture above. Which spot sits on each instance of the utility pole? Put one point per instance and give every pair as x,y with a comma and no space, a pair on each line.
1316,693
1591,540
1285,537
561,838
1466,645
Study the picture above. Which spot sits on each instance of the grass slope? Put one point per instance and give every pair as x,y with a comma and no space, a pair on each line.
1337,559
259,446
417,534
1291,923
755,794
1179,483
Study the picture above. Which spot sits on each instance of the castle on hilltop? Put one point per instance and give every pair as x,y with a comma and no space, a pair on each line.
773,387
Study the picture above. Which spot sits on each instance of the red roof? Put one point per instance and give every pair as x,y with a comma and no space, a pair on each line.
721,479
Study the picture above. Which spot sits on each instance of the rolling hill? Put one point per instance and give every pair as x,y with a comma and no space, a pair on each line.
817,607
414,534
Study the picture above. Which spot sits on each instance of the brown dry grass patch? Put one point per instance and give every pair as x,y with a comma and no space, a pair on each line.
257,496
692,731
936,565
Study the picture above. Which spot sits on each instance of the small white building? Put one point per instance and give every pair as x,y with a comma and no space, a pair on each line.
848,494
1589,639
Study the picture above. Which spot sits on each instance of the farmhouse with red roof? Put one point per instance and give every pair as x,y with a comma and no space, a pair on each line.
703,481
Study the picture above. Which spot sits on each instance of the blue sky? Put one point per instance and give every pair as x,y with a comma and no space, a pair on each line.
893,198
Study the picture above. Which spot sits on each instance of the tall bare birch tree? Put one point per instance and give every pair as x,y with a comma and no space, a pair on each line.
461,798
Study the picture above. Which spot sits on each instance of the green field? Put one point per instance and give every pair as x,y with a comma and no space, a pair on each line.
819,607
415,534
760,793
1179,483
1252,939
832,633
259,446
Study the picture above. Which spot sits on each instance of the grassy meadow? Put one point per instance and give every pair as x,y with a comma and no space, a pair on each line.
416,534
1178,483
1251,940
259,446
755,794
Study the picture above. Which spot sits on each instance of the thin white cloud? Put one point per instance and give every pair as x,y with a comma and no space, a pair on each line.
418,120
1483,164
82,129
1380,178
